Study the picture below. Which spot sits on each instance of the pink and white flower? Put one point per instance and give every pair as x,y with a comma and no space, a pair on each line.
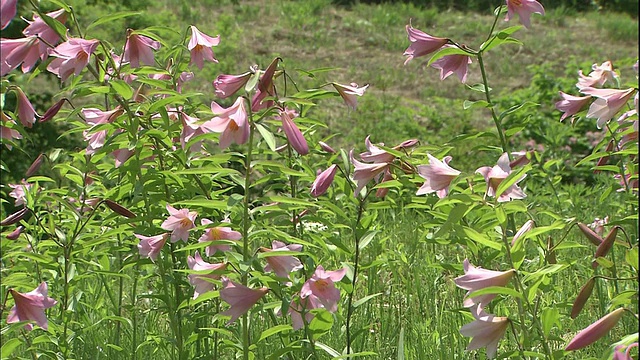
240,297
453,64
71,57
30,307
232,122
571,105
139,50
494,177
438,176
180,222
422,44
349,93
321,285
151,246
215,234
486,331
206,272
200,46
282,265
524,9
477,278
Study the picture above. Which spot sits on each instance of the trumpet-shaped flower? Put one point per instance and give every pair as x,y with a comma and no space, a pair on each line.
349,93
139,50
453,64
19,192
421,44
227,85
72,56
571,105
39,28
218,233
622,352
438,176
323,181
282,265
150,246
363,173
97,117
26,112
231,122
8,133
375,154
595,331
201,280
294,135
321,285
240,297
598,76
8,10
477,278
524,9
14,52
302,306
486,331
30,307
200,46
494,177
179,222
607,104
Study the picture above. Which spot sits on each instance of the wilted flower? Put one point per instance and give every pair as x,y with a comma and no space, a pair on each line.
19,192
453,64
486,331
600,75
72,56
438,176
179,222
150,246
524,9
215,234
294,135
200,280
231,122
494,177
139,49
8,10
422,44
607,104
240,297
282,265
571,105
323,181
595,331
477,278
349,93
30,307
200,46
321,285
227,85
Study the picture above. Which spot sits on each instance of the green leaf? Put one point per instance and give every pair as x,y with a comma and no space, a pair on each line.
267,136
502,37
467,104
274,330
447,51
515,108
111,18
54,24
481,239
478,88
9,346
321,323
631,257
547,270
496,290
327,349
366,239
513,178
122,88
204,203
550,317
401,344
365,299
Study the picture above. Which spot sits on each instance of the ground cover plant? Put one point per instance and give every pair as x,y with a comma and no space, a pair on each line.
231,223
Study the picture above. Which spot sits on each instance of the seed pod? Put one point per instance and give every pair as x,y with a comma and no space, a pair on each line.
583,296
604,248
119,209
590,234
15,217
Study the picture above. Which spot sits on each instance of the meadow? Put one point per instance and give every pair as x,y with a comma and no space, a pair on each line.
402,254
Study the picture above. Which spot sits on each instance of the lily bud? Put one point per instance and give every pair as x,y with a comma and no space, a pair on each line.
53,111
119,209
323,181
15,233
595,331
605,246
35,165
590,234
326,147
582,297
15,217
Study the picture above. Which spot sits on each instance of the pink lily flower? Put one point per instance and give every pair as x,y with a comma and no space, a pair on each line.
8,10
599,76
524,9
232,122
477,278
240,297
598,225
179,222
190,129
201,281
26,112
285,264
349,93
323,181
321,285
571,105
303,305
363,173
375,154
139,49
72,56
19,192
438,176
595,331
294,135
96,117
14,52
607,104
623,352
523,230
200,46
30,307
39,28
387,176
8,133
421,44
121,156
227,85
495,175
453,64
183,78
218,233
150,246
486,331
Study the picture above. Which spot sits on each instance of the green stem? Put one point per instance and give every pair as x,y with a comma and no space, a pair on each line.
494,116
355,272
245,228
